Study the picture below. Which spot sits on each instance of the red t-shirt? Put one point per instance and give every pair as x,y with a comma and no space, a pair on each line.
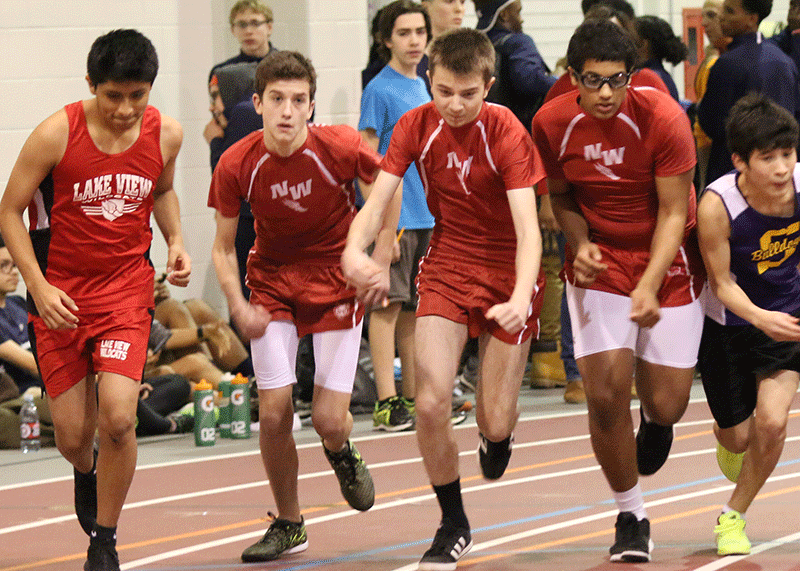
90,217
303,204
612,165
466,172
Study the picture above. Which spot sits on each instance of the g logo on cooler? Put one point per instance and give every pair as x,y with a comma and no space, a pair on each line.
237,397
207,403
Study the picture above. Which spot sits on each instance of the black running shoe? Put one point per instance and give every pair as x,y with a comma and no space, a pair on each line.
653,442
283,537
450,544
632,543
354,479
494,456
101,556
86,497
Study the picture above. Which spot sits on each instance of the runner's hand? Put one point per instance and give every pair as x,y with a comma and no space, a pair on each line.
588,263
370,280
251,320
645,309
779,326
55,307
509,316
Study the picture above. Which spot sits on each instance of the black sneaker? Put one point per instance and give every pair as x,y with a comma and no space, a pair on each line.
494,456
86,497
101,556
391,415
283,537
632,543
450,544
653,442
354,479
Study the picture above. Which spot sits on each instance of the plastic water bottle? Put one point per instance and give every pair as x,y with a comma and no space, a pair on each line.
205,432
29,426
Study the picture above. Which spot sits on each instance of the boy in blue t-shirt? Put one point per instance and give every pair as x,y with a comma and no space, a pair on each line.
405,30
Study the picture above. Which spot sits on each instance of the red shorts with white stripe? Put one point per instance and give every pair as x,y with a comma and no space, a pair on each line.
464,293
314,298
682,283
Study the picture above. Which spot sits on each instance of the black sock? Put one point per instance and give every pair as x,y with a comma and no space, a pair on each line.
104,534
449,496
493,447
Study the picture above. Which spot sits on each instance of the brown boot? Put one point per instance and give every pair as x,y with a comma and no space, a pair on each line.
574,393
547,371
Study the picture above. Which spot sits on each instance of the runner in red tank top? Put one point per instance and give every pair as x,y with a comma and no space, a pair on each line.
91,175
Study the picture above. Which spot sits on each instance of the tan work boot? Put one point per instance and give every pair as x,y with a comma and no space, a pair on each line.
574,393
547,371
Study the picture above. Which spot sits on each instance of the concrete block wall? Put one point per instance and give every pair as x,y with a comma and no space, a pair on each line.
45,42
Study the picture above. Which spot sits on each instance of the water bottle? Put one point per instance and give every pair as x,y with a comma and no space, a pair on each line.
29,426
240,407
205,431
224,406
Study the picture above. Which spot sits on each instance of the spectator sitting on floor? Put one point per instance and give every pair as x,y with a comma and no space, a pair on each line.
197,329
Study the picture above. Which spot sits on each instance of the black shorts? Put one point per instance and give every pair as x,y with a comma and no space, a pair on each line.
732,358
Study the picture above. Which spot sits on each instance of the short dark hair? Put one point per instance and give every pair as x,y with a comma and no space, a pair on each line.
463,51
389,15
756,123
285,65
760,7
122,55
618,5
664,44
601,40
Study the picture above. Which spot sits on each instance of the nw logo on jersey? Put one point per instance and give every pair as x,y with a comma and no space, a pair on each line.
609,158
283,190
462,168
111,349
772,245
111,196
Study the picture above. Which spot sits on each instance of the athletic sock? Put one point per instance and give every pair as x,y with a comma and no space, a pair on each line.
104,534
451,503
631,501
726,508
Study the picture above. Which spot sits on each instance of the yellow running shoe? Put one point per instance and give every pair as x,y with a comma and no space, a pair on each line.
729,462
731,538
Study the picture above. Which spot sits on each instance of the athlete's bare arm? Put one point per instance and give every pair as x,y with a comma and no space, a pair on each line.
371,138
713,232
41,152
363,272
513,314
588,262
12,352
251,320
673,208
166,210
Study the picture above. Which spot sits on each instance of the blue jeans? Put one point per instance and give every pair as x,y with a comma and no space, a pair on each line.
567,351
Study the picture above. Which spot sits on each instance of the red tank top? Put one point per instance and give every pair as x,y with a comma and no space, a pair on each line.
90,218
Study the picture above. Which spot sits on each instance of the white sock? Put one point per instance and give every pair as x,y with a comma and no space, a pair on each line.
726,508
631,501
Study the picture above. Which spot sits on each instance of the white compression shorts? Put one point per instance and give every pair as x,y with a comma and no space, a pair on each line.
601,322
335,357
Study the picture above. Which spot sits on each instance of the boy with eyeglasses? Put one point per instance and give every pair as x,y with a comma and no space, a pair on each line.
619,162
251,24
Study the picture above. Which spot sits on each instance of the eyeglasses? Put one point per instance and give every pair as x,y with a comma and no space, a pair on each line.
7,266
244,24
594,81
